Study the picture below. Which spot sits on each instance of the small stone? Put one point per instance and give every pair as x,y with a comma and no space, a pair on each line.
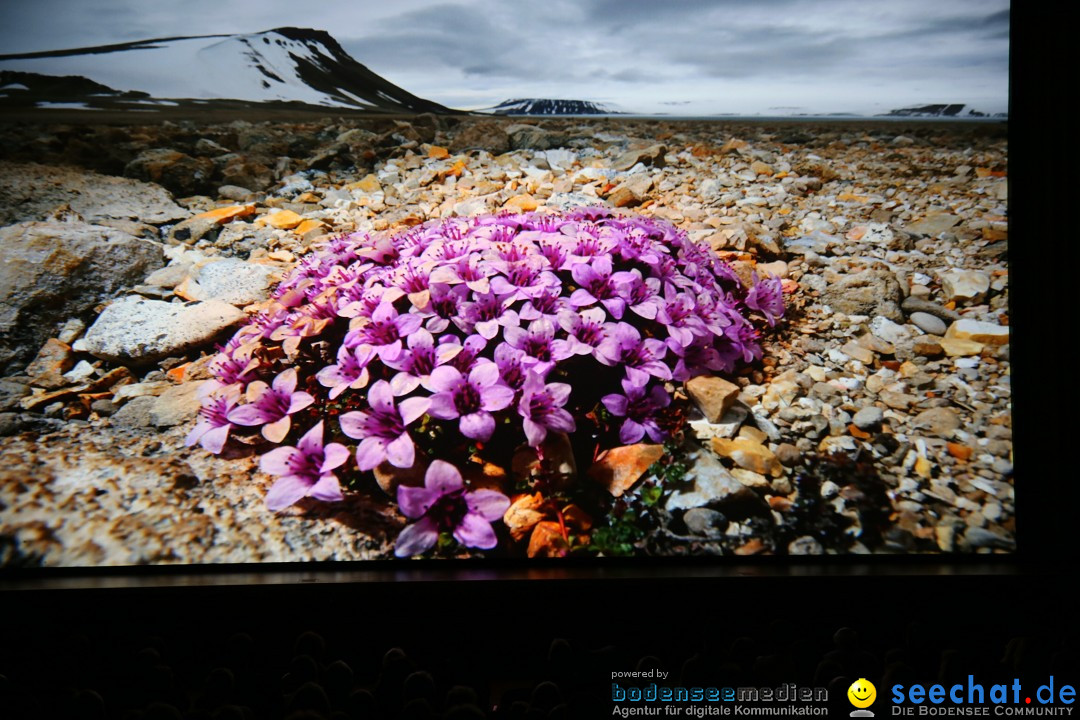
759,168
136,413
954,347
977,537
136,330
235,282
928,346
653,155
805,545
749,478
619,468
928,323
933,224
521,203
869,418
177,405
914,304
705,522
52,361
82,371
964,285
281,220
941,422
713,395
749,455
980,332
71,331
788,454
870,292
857,352
897,400
891,332
711,483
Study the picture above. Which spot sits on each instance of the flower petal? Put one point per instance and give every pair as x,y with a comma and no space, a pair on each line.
475,531
285,383
214,440
416,538
413,408
250,414
488,504
276,431
285,492
535,433
478,425
298,401
334,456
327,489
442,477
496,397
415,501
276,462
401,452
371,452
352,424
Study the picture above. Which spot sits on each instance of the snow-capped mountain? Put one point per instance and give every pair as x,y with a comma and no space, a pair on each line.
953,110
280,65
547,106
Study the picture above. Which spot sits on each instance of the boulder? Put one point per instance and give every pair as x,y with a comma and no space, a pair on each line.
51,272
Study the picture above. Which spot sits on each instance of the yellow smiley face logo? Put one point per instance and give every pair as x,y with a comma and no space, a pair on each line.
862,693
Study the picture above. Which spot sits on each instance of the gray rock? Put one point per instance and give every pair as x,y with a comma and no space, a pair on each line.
712,483
964,284
235,193
805,545
941,422
10,423
977,537
176,406
136,413
869,418
12,390
51,272
71,331
235,282
933,224
652,155
705,522
37,192
173,170
531,137
928,323
914,304
788,455
136,330
484,135
870,292
816,242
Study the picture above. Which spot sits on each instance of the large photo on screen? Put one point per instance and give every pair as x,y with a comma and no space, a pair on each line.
624,280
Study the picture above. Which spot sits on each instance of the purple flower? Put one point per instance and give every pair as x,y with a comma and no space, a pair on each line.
442,505
541,407
624,346
585,330
538,344
350,372
767,297
512,365
596,286
640,294
472,398
639,409
271,406
385,331
486,314
381,430
416,362
213,427
304,470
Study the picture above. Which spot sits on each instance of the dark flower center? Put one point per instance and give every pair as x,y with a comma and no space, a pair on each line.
449,510
467,398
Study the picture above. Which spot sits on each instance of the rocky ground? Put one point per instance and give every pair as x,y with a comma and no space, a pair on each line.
129,250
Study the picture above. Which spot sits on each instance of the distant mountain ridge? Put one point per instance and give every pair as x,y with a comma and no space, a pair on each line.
283,65
550,106
953,110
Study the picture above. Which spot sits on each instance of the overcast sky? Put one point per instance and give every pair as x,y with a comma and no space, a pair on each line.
674,56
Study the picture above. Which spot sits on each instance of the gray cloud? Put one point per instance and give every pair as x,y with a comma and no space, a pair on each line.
639,53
